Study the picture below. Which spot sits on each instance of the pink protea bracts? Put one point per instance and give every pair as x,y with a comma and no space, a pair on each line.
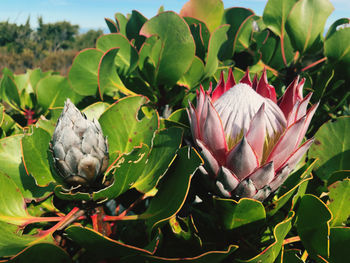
249,140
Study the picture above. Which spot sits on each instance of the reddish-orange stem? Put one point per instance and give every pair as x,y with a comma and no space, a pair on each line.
94,222
61,223
314,64
282,47
41,219
291,240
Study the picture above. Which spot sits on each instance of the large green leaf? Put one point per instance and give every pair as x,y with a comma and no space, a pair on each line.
291,256
337,43
276,13
127,56
209,256
194,74
36,252
123,126
234,214
9,90
217,38
271,252
94,111
306,21
126,170
177,46
296,182
210,11
173,190
236,17
121,23
11,164
339,244
12,205
83,73
10,242
200,34
100,247
339,201
35,156
108,79
133,27
52,91
164,147
332,156
313,225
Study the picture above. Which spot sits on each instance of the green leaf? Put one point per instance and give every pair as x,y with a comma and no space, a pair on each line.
163,151
291,256
306,21
245,212
236,17
296,181
210,12
332,156
126,58
174,188
10,242
35,156
216,40
95,110
121,23
11,164
339,202
209,256
200,34
34,254
177,46
100,247
338,176
83,73
271,252
123,126
9,91
133,27
126,170
339,244
313,225
12,205
337,43
276,13
71,195
111,25
194,74
108,78
52,91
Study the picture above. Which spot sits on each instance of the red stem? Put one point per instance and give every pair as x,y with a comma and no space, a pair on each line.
60,224
314,64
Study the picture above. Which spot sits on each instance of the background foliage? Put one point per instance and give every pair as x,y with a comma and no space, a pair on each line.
51,46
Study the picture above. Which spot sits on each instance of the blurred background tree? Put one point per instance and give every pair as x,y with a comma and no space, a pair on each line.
50,46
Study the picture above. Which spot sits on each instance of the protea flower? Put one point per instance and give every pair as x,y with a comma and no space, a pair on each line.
249,140
79,148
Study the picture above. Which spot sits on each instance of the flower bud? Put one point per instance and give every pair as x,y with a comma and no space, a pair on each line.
79,148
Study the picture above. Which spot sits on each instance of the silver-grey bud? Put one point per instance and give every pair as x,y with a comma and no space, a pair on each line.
79,148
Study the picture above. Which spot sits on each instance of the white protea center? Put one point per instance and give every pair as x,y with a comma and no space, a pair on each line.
238,106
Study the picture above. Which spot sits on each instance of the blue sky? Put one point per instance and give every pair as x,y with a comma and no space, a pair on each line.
91,13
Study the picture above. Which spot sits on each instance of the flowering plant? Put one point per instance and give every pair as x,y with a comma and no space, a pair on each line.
254,171
249,140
